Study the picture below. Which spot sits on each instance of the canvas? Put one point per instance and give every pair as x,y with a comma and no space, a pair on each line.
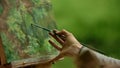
22,42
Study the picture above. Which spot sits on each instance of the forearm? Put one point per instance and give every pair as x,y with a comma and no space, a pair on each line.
106,59
88,56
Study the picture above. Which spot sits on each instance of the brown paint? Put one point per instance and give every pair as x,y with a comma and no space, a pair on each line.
4,28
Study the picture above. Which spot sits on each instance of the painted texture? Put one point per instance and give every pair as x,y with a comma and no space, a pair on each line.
20,39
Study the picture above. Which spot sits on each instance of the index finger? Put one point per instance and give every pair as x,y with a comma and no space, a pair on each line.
63,32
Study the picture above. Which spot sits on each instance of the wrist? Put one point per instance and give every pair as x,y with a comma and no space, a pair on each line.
77,48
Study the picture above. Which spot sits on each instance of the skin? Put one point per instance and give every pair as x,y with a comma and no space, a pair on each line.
69,45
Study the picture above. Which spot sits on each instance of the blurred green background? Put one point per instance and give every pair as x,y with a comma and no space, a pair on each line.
93,22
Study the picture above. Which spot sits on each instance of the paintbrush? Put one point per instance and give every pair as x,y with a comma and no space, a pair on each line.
46,29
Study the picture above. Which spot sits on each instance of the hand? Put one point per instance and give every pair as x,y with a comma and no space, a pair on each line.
69,45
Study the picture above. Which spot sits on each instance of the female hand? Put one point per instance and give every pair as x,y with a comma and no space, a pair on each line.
69,45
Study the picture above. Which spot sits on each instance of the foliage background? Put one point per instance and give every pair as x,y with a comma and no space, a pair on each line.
93,22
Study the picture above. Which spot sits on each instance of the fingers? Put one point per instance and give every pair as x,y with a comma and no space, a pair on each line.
57,38
54,45
63,32
60,36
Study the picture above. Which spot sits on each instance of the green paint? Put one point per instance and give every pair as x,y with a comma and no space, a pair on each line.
24,41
